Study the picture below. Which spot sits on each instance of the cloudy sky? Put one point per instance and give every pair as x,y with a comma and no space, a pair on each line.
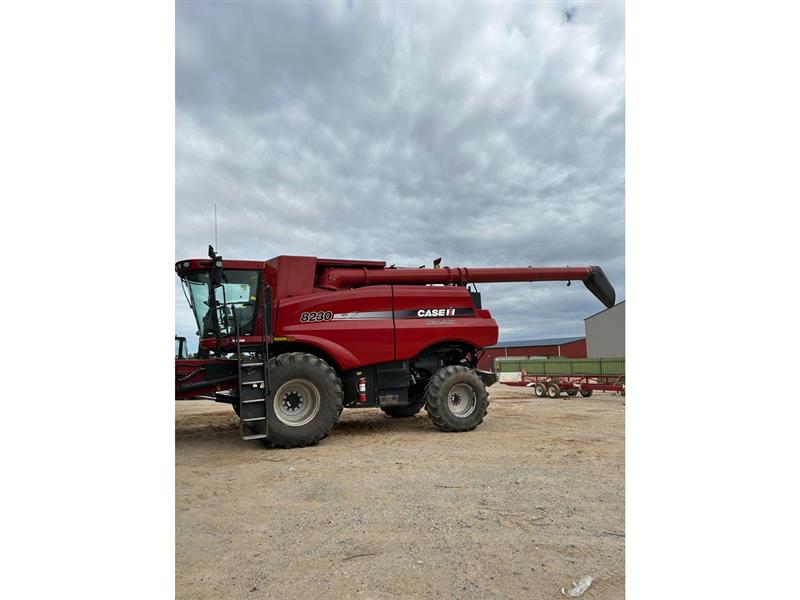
487,134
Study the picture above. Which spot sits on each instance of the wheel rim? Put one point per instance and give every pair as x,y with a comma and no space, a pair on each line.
461,400
296,402
551,392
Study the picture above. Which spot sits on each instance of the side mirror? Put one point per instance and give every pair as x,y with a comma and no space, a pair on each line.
216,267
216,271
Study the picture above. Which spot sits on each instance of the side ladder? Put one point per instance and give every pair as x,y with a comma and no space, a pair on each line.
253,380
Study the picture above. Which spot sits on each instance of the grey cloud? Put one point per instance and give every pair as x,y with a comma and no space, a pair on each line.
489,134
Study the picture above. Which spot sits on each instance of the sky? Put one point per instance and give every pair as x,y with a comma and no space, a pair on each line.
485,134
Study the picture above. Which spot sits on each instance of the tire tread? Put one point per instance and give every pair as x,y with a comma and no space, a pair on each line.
290,358
434,404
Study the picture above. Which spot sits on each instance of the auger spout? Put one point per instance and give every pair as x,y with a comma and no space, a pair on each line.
343,278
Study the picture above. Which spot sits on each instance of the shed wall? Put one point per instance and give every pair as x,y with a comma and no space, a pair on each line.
605,333
576,349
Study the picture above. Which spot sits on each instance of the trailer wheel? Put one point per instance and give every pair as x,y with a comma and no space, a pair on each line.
305,402
571,393
539,390
586,393
553,391
399,412
456,399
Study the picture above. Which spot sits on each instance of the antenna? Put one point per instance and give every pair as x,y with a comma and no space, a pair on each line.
216,245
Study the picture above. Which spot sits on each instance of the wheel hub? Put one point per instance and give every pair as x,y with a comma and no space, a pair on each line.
292,401
296,402
461,400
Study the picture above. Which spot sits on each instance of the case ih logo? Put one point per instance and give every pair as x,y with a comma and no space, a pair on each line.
422,313
436,312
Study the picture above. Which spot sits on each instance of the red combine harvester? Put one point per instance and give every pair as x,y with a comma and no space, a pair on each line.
291,341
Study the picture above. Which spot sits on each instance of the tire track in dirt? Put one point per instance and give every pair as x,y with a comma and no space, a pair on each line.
523,505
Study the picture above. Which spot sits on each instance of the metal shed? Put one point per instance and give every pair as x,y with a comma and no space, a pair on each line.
605,332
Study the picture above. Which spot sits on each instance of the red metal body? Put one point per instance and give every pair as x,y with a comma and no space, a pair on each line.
195,371
339,278
363,313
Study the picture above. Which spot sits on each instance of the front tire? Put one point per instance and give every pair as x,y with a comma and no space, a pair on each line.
305,402
456,399
539,390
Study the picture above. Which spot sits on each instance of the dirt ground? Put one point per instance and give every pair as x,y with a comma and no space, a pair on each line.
529,502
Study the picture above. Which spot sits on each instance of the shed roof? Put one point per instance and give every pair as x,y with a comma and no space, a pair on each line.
540,342
605,310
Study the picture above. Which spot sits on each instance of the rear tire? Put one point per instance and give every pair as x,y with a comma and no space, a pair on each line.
456,399
586,393
401,412
553,391
539,390
305,402
572,393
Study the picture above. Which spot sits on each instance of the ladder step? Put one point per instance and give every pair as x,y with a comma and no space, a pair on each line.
253,401
254,419
253,382
257,436
255,364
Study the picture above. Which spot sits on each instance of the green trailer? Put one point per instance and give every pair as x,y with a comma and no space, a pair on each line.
571,376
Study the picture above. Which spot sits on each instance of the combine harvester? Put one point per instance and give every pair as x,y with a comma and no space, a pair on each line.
291,341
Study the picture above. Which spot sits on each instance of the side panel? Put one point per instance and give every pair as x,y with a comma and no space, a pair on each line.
426,315
203,377
355,326
294,275
386,385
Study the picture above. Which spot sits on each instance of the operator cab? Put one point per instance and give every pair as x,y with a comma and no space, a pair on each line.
237,290
221,298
